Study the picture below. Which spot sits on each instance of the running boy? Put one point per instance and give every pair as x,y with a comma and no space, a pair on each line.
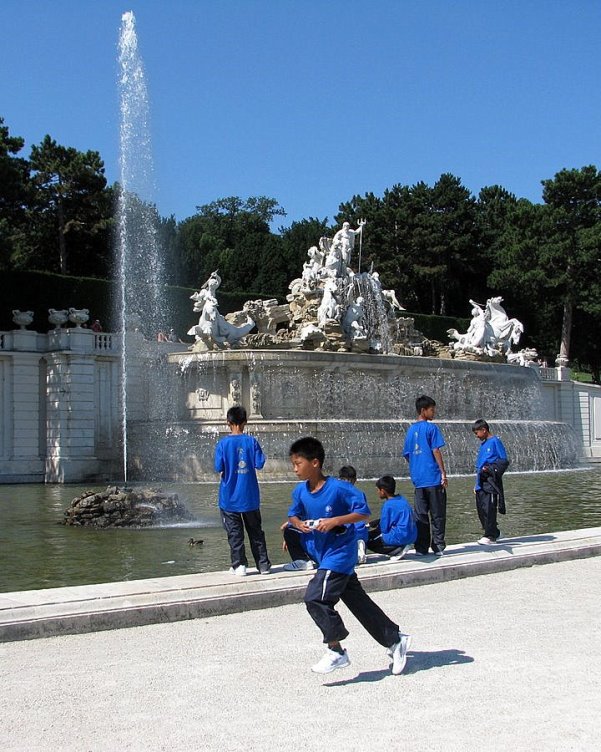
491,463
237,457
324,510
426,467
396,530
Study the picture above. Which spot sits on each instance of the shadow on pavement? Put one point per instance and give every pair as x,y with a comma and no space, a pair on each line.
416,661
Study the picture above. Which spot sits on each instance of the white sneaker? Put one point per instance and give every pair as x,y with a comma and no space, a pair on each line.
484,541
361,552
439,552
299,565
399,653
238,571
402,552
331,661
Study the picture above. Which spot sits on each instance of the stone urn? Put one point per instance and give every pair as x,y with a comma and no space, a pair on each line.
78,316
58,318
22,318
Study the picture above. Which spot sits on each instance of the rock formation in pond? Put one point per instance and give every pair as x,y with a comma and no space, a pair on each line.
126,507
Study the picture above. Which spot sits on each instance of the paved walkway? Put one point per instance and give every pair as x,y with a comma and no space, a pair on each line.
503,661
72,610
509,660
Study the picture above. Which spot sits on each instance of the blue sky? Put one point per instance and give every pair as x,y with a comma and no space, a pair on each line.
311,101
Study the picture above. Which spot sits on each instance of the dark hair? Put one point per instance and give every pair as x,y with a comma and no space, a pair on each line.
348,472
480,423
387,483
236,415
421,403
309,448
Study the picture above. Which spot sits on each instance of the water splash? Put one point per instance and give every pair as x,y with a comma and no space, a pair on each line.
139,260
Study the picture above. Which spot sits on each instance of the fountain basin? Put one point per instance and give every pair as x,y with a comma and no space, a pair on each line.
359,407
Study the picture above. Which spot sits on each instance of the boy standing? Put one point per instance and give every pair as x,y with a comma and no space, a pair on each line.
491,463
426,467
396,530
237,457
324,510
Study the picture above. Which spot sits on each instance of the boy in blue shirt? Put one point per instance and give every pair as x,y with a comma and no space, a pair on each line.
491,463
237,457
422,447
396,530
324,510
349,474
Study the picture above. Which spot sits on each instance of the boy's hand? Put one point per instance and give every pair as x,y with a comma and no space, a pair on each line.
327,523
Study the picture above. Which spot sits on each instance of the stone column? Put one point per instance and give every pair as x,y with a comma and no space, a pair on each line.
70,420
22,459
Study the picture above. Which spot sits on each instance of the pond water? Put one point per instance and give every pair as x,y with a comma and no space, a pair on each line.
38,552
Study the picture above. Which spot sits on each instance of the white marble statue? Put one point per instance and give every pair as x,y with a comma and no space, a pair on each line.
528,357
353,321
329,308
507,331
491,331
344,241
388,295
212,328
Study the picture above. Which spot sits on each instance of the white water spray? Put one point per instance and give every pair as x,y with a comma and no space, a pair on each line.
141,292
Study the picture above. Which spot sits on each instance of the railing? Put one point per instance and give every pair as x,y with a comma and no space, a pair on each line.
103,342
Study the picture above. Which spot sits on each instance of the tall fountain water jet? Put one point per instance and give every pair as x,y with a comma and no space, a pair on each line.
141,296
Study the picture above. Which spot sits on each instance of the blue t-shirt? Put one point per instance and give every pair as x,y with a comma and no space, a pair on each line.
397,523
237,456
422,438
490,451
335,551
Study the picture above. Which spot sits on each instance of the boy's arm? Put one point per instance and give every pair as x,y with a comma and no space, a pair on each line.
218,461
329,523
440,462
259,456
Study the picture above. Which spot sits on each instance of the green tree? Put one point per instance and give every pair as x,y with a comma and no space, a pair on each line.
548,260
15,194
234,236
296,241
72,206
571,253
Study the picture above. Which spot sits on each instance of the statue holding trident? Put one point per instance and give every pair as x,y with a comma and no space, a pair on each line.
343,242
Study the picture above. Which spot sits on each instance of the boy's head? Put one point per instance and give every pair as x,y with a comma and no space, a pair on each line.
425,407
236,415
348,473
307,456
386,486
481,429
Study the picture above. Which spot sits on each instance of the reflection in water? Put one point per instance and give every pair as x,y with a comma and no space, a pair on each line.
37,552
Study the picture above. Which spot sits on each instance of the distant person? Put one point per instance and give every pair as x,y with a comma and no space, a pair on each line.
238,457
324,511
96,326
395,532
491,463
161,336
422,447
349,474
172,336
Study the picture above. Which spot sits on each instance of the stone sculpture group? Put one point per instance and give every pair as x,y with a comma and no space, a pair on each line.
329,307
491,333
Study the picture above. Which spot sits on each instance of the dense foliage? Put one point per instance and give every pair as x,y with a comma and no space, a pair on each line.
436,246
